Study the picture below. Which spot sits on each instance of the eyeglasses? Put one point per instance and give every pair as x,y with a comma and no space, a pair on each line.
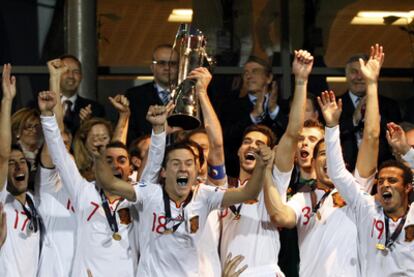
164,63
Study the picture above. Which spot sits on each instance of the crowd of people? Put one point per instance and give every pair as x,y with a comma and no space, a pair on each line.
318,186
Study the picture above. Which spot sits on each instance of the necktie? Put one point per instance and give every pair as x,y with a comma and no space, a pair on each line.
164,96
68,105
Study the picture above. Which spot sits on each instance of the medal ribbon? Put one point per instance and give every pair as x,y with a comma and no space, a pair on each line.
389,241
167,208
316,207
32,215
110,217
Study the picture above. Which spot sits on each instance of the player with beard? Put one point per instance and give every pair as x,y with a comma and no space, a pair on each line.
20,252
105,242
384,246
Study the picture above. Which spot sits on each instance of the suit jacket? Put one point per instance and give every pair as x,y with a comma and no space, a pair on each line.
389,111
235,118
73,121
140,98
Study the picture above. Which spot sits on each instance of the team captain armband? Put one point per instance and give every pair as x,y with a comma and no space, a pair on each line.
216,172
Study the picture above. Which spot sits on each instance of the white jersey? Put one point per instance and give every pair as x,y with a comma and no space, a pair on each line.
58,216
208,249
172,254
253,235
327,241
96,249
19,254
369,219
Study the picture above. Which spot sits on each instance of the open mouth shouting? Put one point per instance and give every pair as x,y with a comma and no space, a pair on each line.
304,154
182,181
250,156
386,196
19,177
118,175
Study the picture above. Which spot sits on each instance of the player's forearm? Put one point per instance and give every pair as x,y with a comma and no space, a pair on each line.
211,122
5,127
255,184
110,183
372,116
64,163
155,157
344,181
280,214
121,129
368,151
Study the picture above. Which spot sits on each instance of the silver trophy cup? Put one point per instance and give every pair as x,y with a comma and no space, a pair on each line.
190,45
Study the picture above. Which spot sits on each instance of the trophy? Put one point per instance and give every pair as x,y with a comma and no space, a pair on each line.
190,45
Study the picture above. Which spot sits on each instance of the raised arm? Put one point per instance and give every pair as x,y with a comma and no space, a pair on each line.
9,92
368,150
56,68
3,225
280,214
344,181
211,123
110,183
398,141
157,116
252,189
121,104
68,172
285,152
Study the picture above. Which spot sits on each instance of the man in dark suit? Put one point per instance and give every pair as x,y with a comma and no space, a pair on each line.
72,102
352,117
259,106
164,68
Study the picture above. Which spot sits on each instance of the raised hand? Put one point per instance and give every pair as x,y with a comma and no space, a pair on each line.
157,115
230,266
370,70
120,103
85,113
265,155
397,139
3,226
56,67
302,65
331,110
46,101
8,83
202,77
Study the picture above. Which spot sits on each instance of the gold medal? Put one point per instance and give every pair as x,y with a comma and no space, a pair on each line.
380,246
168,232
116,236
237,217
318,215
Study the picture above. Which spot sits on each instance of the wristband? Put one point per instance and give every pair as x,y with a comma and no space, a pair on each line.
216,172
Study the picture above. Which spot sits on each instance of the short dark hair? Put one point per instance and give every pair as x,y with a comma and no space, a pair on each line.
72,57
176,146
196,131
407,173
271,137
356,57
117,144
262,62
311,123
407,126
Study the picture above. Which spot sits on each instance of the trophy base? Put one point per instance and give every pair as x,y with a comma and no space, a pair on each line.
184,121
